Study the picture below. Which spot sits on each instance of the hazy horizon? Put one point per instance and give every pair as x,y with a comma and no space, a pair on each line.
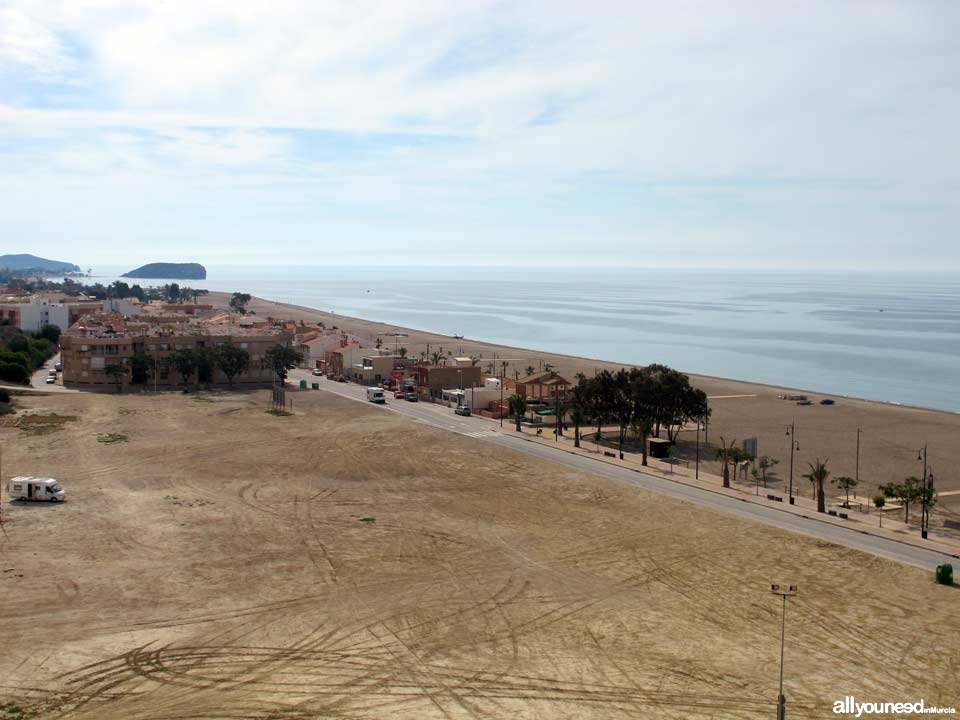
676,134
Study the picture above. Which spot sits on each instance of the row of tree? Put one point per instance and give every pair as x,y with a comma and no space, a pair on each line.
200,363
171,292
647,401
21,353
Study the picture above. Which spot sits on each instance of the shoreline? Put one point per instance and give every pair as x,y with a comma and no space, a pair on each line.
601,362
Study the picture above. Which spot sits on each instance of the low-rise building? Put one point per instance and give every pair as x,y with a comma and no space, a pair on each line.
434,379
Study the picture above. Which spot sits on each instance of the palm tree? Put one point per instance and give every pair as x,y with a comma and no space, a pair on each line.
578,416
727,453
435,357
817,476
530,370
845,483
641,428
378,344
504,364
518,406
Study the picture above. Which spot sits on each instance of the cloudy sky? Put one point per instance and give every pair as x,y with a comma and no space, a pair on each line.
604,133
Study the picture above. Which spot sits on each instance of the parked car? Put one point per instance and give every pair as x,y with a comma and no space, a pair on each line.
317,373
826,401
804,402
462,410
58,366
52,373
411,396
51,379
399,394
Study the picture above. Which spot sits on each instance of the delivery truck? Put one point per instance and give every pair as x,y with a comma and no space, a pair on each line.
375,395
36,488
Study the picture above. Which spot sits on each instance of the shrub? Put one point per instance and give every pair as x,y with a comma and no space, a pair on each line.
4,396
944,574
12,372
18,343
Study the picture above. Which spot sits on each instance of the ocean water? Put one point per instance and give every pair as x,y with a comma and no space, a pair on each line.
882,336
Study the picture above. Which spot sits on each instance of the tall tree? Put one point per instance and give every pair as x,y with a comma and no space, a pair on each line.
518,406
231,359
239,301
281,358
578,417
727,454
817,476
185,361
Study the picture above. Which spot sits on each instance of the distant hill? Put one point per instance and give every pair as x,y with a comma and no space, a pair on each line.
169,271
25,261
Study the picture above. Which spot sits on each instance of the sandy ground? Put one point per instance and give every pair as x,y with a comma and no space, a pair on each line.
214,561
890,439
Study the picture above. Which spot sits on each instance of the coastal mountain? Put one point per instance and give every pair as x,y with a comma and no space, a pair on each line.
25,261
169,271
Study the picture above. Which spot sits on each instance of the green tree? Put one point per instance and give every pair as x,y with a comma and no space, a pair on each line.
402,352
379,343
48,332
185,361
205,364
846,484
239,301
436,357
518,406
530,370
641,429
818,476
173,292
281,358
116,372
141,365
764,464
727,454
231,359
578,416
907,492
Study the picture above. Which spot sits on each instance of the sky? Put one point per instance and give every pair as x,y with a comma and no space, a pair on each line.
705,134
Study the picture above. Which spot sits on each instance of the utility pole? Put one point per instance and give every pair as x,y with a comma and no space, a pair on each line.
501,402
793,442
697,471
857,472
784,592
924,514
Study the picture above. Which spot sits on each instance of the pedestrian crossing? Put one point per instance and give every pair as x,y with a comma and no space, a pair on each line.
479,433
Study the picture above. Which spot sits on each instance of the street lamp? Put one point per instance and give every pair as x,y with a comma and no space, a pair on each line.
794,445
783,591
924,513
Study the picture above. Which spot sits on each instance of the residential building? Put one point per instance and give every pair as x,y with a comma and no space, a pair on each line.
90,346
437,378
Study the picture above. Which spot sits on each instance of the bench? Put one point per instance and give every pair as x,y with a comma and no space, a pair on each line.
832,512
609,454
775,498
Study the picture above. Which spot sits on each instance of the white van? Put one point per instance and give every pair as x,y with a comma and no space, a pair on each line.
375,395
36,488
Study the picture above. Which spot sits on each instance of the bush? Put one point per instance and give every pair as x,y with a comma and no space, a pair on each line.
944,574
13,372
6,408
4,396
19,343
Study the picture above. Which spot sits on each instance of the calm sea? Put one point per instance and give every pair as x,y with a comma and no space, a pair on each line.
889,337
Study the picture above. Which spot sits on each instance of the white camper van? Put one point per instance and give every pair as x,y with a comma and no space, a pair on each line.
36,488
375,395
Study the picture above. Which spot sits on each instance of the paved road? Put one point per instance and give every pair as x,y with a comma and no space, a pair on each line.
443,417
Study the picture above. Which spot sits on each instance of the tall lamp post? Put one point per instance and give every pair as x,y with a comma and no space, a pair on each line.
794,445
783,591
924,512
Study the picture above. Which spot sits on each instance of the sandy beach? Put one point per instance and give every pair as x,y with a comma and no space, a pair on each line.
890,439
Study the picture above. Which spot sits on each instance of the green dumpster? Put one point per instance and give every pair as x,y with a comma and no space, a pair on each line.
315,386
303,384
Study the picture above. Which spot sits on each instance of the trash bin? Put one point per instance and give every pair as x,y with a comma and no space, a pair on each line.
315,386
303,384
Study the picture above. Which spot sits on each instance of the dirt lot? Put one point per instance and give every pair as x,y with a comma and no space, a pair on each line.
214,561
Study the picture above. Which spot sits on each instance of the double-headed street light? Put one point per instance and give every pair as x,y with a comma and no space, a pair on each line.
783,591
